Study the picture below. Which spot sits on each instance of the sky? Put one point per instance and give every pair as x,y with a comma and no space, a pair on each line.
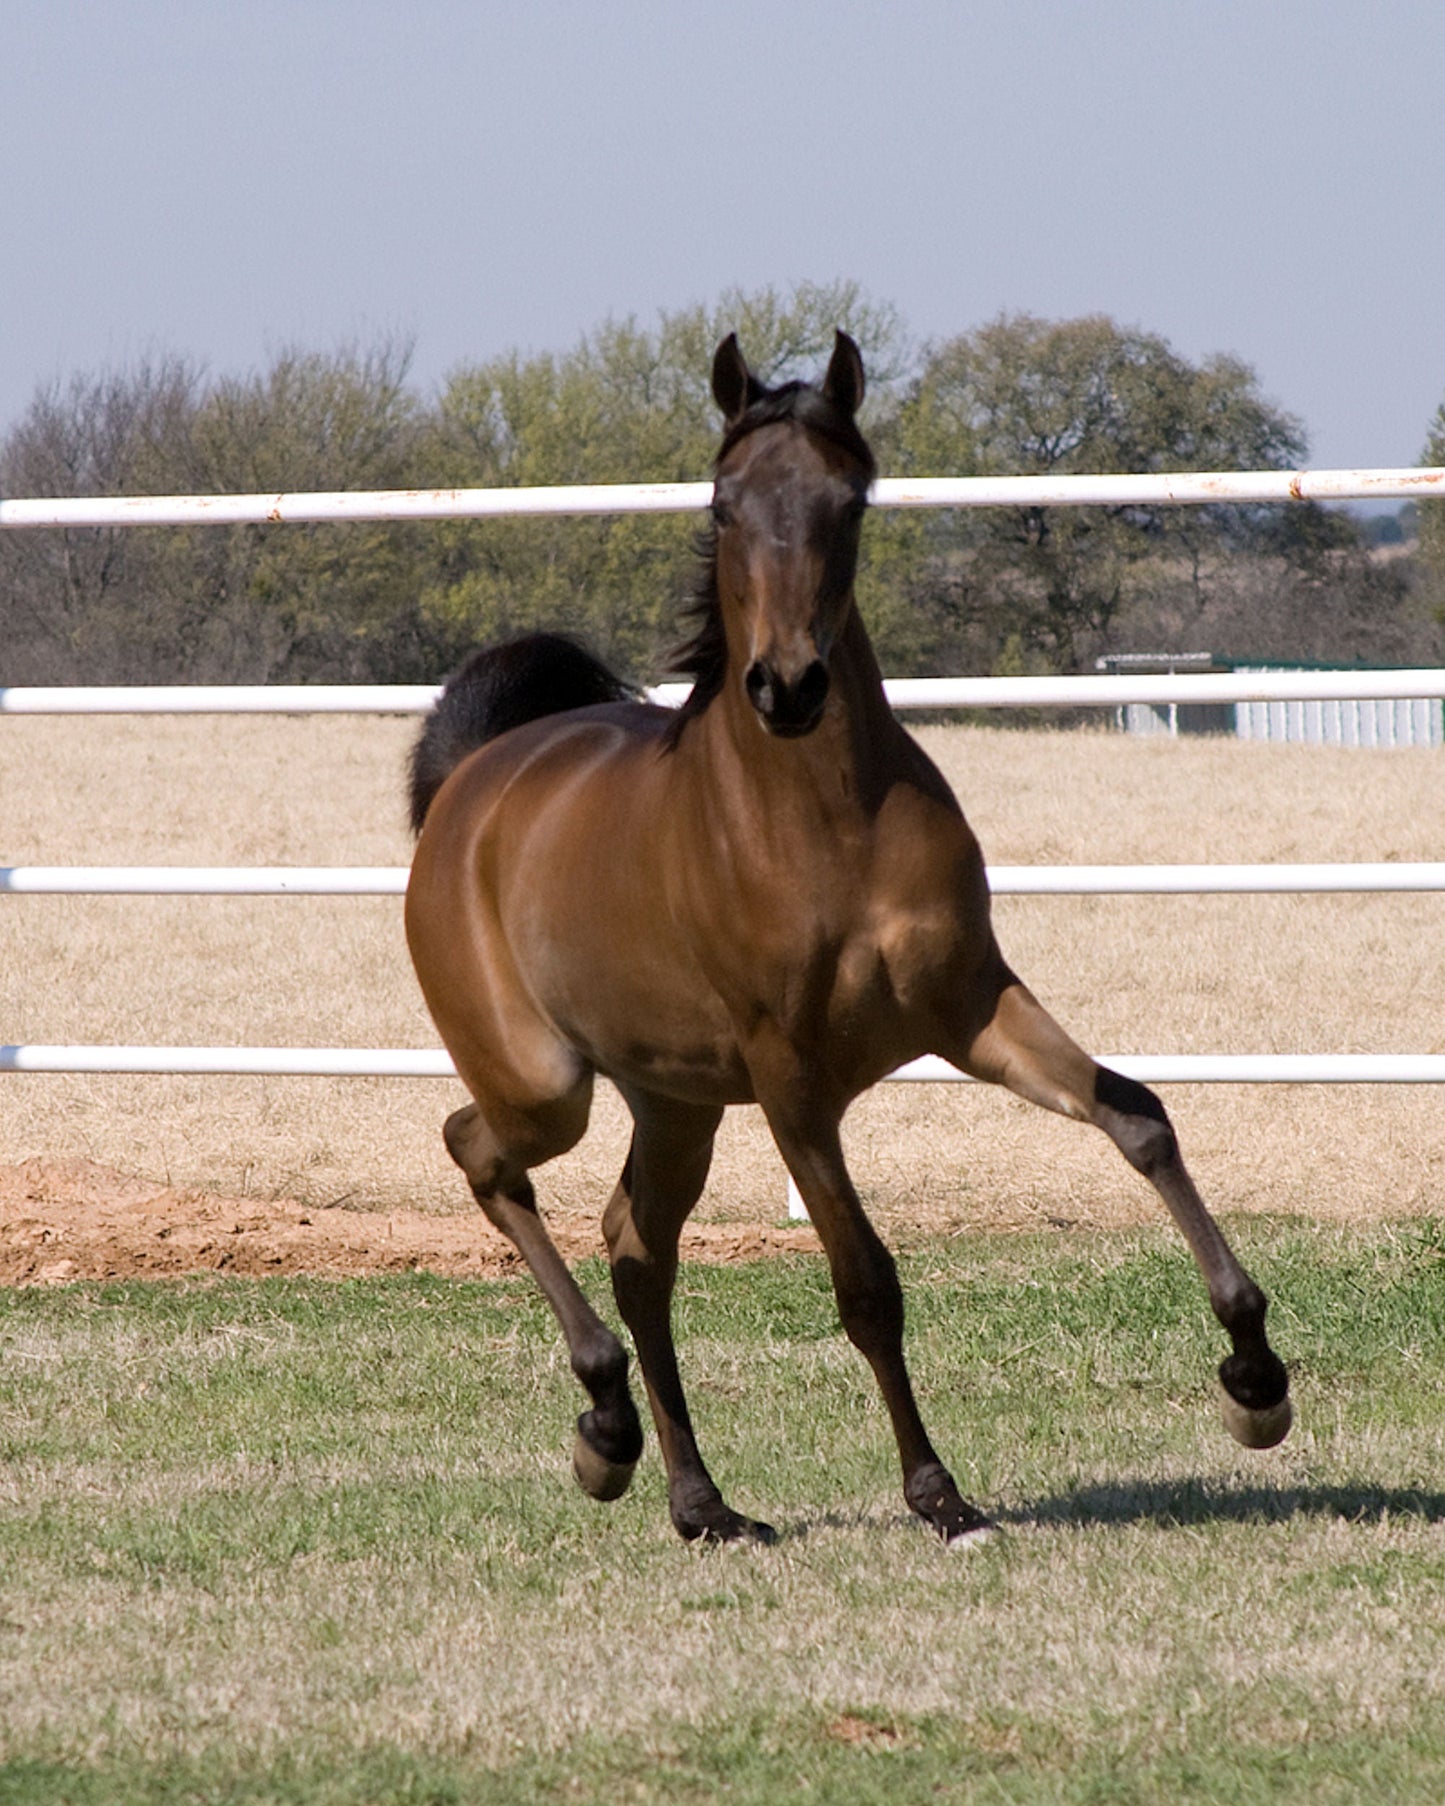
227,181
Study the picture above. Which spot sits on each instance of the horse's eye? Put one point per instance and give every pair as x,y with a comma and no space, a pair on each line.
721,513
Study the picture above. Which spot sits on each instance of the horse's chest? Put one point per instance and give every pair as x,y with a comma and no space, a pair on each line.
863,918
892,968
839,972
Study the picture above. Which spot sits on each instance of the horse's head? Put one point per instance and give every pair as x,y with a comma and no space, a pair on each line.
791,486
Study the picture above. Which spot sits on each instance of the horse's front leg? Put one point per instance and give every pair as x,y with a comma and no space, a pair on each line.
870,1299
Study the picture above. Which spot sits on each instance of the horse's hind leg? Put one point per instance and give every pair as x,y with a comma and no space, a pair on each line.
609,1436
1023,1048
666,1168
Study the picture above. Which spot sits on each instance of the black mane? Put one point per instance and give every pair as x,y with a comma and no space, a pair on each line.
702,656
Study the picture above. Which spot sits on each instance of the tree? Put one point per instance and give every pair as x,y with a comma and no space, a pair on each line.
70,595
1024,396
246,603
1000,590
1430,520
629,404
323,597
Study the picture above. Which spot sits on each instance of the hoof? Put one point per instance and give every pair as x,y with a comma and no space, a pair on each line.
718,1523
966,1541
1257,1429
598,1477
931,1493
742,1530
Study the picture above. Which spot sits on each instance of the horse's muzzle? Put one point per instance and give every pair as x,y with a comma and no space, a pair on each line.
788,709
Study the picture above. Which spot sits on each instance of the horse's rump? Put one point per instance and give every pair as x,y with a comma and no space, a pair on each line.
539,900
500,688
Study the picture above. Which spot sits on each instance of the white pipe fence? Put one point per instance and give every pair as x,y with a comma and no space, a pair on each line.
1171,489
925,693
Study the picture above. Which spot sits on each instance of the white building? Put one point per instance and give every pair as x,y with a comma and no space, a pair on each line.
1386,722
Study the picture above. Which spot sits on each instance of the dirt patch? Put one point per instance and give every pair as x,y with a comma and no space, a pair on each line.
63,1220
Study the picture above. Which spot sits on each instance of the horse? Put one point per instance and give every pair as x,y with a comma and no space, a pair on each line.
769,895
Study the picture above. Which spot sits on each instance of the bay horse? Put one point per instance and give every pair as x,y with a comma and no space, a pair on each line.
769,895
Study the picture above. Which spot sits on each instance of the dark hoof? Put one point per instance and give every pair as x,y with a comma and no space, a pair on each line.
718,1524
1257,1428
966,1529
939,1503
960,1525
1256,1403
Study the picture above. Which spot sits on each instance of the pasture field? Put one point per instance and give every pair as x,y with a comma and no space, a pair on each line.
298,1540
292,1541
1331,974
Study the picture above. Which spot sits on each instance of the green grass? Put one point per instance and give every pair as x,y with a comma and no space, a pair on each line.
298,1541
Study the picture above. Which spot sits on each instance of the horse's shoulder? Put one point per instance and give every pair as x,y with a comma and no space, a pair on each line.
925,854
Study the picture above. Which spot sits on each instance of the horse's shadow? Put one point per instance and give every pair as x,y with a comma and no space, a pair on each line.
1167,1505
1174,1504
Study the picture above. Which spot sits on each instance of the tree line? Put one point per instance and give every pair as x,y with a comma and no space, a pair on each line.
946,591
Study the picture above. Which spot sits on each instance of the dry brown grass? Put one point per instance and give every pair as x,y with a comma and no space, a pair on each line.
1125,975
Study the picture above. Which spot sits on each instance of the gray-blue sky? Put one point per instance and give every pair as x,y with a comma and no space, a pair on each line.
1238,175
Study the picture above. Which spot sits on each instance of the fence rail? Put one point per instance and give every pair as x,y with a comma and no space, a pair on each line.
921,693
1149,489
904,693
432,1063
1003,880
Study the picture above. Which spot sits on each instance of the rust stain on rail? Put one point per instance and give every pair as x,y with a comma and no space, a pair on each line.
1212,483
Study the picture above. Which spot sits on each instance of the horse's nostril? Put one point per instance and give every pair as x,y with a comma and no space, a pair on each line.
811,691
786,708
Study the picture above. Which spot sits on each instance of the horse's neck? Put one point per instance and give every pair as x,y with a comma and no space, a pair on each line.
855,671
842,769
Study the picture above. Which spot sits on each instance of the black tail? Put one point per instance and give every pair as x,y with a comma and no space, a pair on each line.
499,688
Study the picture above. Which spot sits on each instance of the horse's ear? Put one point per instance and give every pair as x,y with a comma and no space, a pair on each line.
843,385
734,387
